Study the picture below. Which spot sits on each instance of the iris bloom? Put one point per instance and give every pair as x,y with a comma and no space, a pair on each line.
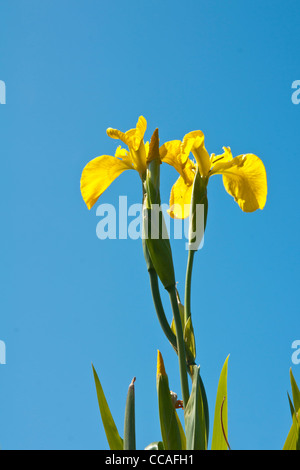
100,172
244,177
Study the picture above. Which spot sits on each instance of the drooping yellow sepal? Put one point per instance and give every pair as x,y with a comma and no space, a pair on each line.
180,199
245,179
98,174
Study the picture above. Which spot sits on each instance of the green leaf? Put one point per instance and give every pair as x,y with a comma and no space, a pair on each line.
194,416
129,422
181,311
181,430
188,334
221,419
295,391
170,427
205,405
189,340
114,440
293,439
155,446
292,409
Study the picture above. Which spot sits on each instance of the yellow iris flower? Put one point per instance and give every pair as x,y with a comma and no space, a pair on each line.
100,172
244,177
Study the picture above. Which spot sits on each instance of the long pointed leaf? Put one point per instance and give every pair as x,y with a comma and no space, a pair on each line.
129,422
221,419
181,431
295,391
194,416
170,428
293,439
114,440
205,405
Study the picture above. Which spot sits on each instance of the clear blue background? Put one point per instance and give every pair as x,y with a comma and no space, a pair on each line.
73,68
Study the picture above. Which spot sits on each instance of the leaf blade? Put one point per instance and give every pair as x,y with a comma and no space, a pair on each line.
221,422
170,427
129,421
194,416
114,440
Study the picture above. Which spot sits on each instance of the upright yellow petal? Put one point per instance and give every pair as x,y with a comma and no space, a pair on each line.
134,137
194,142
134,140
131,138
180,199
98,174
245,179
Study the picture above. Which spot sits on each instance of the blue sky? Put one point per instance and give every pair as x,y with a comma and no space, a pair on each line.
72,69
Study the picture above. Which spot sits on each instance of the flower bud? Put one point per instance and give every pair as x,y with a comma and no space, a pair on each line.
154,227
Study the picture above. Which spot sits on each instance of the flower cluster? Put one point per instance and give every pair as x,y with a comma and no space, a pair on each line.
244,176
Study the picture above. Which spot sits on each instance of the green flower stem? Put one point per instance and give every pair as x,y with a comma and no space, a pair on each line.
188,285
180,346
160,309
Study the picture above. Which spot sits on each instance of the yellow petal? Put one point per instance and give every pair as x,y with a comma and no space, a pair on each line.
180,199
133,137
170,153
225,157
140,130
123,154
134,140
98,174
245,179
194,142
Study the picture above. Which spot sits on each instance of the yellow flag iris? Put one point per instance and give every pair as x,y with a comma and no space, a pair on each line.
244,176
100,172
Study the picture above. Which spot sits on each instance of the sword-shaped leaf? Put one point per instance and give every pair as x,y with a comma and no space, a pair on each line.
170,426
129,423
293,439
194,416
220,429
114,440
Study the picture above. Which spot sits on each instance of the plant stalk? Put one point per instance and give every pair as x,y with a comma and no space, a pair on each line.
180,347
188,285
160,309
